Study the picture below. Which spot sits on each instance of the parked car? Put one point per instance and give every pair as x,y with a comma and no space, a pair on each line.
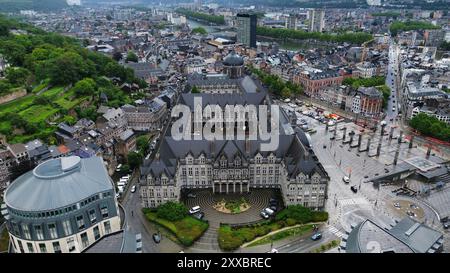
264,215
354,189
199,215
194,210
191,195
133,189
156,237
346,179
273,202
274,208
316,236
269,211
118,167
447,224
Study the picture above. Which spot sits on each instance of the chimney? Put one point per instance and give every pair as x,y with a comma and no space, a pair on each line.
247,146
212,148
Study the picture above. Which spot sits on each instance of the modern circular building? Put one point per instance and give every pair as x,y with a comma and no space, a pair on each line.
63,205
233,65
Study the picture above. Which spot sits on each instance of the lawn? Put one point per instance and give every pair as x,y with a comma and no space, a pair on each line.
298,231
17,105
4,240
187,230
67,101
38,113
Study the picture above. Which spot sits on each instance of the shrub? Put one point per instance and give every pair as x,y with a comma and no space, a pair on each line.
290,222
320,216
172,211
297,212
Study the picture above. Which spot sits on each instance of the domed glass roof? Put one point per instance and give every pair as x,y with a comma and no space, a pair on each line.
233,59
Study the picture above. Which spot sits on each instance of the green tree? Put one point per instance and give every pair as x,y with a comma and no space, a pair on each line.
17,75
172,211
142,143
5,86
68,68
199,30
134,159
85,87
286,92
132,57
13,52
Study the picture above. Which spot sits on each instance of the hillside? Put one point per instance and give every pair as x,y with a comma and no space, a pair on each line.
63,82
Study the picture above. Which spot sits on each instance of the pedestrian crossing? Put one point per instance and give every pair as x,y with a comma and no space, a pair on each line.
353,201
336,232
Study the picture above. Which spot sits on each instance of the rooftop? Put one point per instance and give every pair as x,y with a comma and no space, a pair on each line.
58,183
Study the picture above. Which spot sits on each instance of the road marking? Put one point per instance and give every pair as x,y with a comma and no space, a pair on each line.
335,231
353,201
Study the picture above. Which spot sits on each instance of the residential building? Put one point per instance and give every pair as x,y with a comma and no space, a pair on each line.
316,80
316,20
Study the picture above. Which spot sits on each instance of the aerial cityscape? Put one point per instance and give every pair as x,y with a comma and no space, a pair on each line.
213,126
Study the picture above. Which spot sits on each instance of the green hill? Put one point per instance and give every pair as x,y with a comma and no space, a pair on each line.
38,5
63,81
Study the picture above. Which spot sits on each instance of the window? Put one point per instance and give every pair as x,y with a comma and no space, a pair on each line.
80,222
56,247
92,216
107,226
39,233
67,227
30,248
84,240
52,231
26,231
20,246
104,210
71,244
42,248
96,233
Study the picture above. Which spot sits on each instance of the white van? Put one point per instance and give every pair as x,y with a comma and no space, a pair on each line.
194,210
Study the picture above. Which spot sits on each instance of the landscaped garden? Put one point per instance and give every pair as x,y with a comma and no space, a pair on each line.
326,247
173,217
282,234
231,238
232,206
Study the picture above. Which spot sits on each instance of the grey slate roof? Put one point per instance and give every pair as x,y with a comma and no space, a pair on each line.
58,183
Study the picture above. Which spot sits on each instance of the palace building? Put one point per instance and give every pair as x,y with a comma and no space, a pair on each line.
235,166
